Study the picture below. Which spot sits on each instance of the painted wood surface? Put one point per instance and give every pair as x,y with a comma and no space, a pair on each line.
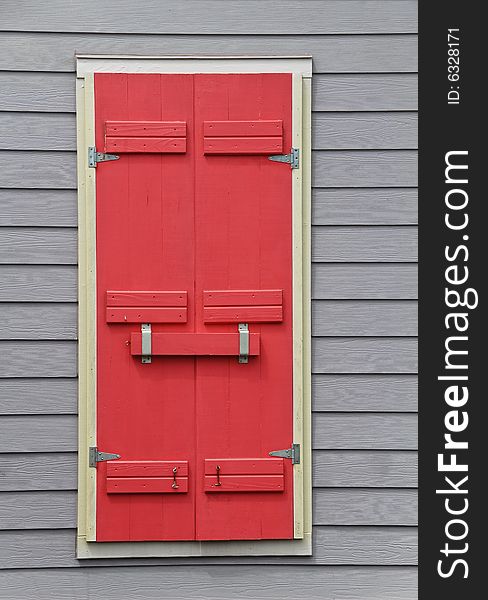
372,16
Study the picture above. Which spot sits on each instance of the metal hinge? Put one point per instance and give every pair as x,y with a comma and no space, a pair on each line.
293,158
293,453
95,456
243,329
146,343
95,157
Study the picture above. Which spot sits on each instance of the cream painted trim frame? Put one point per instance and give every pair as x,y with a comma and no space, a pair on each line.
301,69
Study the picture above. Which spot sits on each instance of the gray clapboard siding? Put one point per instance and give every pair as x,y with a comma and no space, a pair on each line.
363,281
37,245
57,510
52,208
210,16
218,582
46,396
385,168
331,53
364,244
38,359
55,92
332,468
364,355
58,433
380,206
365,92
38,283
54,170
58,283
332,545
351,393
362,318
57,131
38,321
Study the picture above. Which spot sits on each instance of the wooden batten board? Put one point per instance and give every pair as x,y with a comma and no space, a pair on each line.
301,68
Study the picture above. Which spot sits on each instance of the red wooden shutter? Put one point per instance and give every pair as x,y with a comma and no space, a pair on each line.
194,239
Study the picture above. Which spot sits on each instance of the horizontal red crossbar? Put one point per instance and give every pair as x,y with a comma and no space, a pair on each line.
146,468
145,128
147,485
146,298
242,128
146,315
244,466
243,314
194,344
158,145
245,483
242,145
242,297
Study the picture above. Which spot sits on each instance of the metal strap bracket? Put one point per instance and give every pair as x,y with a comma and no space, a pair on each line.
95,157
95,456
293,158
146,343
243,343
293,453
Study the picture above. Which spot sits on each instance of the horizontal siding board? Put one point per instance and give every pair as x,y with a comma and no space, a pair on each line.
332,131
331,53
217,582
46,396
364,281
38,433
364,355
38,283
363,318
333,545
55,92
347,168
38,359
363,393
57,509
38,321
332,469
364,244
210,17
37,245
37,170
51,208
366,206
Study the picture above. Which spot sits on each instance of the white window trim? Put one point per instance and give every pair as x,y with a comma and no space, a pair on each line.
301,69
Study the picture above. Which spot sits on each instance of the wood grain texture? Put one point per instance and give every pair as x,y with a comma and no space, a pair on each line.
347,131
331,54
351,393
217,582
37,131
57,509
364,244
209,16
373,206
364,318
41,321
37,245
364,355
38,396
37,170
38,359
350,92
51,208
41,283
367,431
375,168
332,468
38,433
364,281
55,92
333,545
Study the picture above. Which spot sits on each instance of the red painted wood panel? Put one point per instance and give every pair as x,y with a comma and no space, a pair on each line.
156,298
145,128
146,485
145,314
186,221
145,144
243,314
243,145
194,344
242,297
242,128
244,466
146,468
245,483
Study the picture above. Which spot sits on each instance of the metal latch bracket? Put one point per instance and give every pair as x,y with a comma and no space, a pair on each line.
293,453
95,456
293,158
243,343
146,343
95,157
